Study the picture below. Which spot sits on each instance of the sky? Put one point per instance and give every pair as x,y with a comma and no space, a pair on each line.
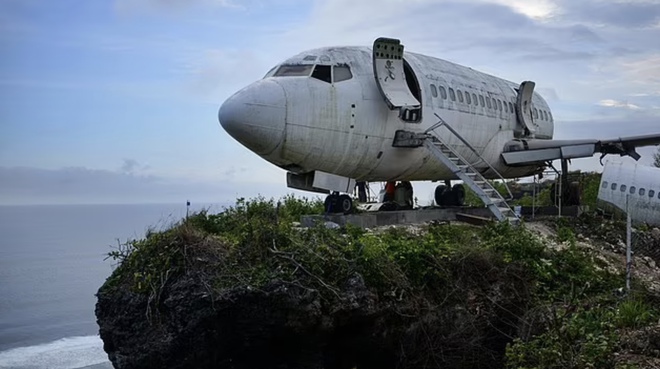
115,101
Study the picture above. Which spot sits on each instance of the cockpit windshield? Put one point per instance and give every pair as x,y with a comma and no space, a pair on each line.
294,71
325,73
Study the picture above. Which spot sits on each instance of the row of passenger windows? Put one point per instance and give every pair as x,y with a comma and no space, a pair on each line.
632,190
492,103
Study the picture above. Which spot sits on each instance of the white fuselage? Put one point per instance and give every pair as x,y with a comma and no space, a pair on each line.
304,123
631,188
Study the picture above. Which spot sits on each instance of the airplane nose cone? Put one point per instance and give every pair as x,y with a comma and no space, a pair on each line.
255,116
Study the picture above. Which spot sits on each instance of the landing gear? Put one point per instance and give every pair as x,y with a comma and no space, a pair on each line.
446,196
438,196
336,203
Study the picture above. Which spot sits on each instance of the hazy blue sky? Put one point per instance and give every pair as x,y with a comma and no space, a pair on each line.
116,100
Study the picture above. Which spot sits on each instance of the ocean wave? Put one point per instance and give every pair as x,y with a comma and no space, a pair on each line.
65,353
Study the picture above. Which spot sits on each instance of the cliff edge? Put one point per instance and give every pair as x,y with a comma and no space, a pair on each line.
247,288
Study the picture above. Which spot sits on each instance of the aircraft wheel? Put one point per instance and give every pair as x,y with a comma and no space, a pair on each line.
459,194
449,197
331,202
345,204
439,192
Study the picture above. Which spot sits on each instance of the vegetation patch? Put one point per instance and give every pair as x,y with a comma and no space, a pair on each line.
453,295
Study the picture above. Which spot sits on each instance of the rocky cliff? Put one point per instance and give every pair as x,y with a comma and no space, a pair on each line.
249,289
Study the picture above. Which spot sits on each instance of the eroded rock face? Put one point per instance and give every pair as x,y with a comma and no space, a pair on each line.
286,326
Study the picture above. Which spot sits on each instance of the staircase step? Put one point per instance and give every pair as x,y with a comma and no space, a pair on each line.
473,179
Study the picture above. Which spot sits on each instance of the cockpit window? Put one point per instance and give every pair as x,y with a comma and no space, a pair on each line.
294,71
342,73
270,72
322,72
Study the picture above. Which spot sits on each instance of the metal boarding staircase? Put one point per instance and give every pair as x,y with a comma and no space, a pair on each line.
494,201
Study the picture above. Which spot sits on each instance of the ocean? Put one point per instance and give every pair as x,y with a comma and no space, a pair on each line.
51,265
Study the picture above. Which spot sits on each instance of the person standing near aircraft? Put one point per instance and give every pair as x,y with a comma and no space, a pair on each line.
390,190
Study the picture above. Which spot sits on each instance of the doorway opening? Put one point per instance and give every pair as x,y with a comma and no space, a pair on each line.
412,115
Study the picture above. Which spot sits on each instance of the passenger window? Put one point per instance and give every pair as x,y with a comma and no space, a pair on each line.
550,115
443,93
488,102
452,95
652,193
460,95
536,114
467,98
613,186
545,115
499,104
293,71
506,109
481,100
604,185
434,91
642,192
342,73
623,188
474,99
322,72
511,108
632,190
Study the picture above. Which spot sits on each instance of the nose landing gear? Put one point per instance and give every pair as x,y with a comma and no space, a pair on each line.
336,203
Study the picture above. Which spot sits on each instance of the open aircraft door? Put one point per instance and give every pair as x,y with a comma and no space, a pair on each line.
524,109
390,74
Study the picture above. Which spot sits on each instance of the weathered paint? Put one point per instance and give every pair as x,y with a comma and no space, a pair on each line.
643,206
346,128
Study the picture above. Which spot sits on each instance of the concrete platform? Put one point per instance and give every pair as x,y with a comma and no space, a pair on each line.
418,216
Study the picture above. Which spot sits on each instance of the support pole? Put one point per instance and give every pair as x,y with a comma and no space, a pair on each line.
628,244
563,183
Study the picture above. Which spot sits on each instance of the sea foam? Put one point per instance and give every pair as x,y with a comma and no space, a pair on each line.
65,353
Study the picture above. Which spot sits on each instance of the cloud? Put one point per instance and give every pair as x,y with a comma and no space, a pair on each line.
132,166
78,185
626,123
618,104
138,6
628,14
75,185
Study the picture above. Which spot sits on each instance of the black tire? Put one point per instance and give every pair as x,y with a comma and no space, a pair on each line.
448,198
459,194
345,204
438,196
331,203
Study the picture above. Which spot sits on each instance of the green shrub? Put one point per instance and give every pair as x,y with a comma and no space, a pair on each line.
634,313
576,338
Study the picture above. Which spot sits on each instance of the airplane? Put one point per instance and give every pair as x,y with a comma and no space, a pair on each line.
633,189
337,117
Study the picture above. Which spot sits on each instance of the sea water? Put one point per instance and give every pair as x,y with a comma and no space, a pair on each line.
51,265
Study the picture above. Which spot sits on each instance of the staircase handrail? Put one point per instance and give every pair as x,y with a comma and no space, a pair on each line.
452,130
